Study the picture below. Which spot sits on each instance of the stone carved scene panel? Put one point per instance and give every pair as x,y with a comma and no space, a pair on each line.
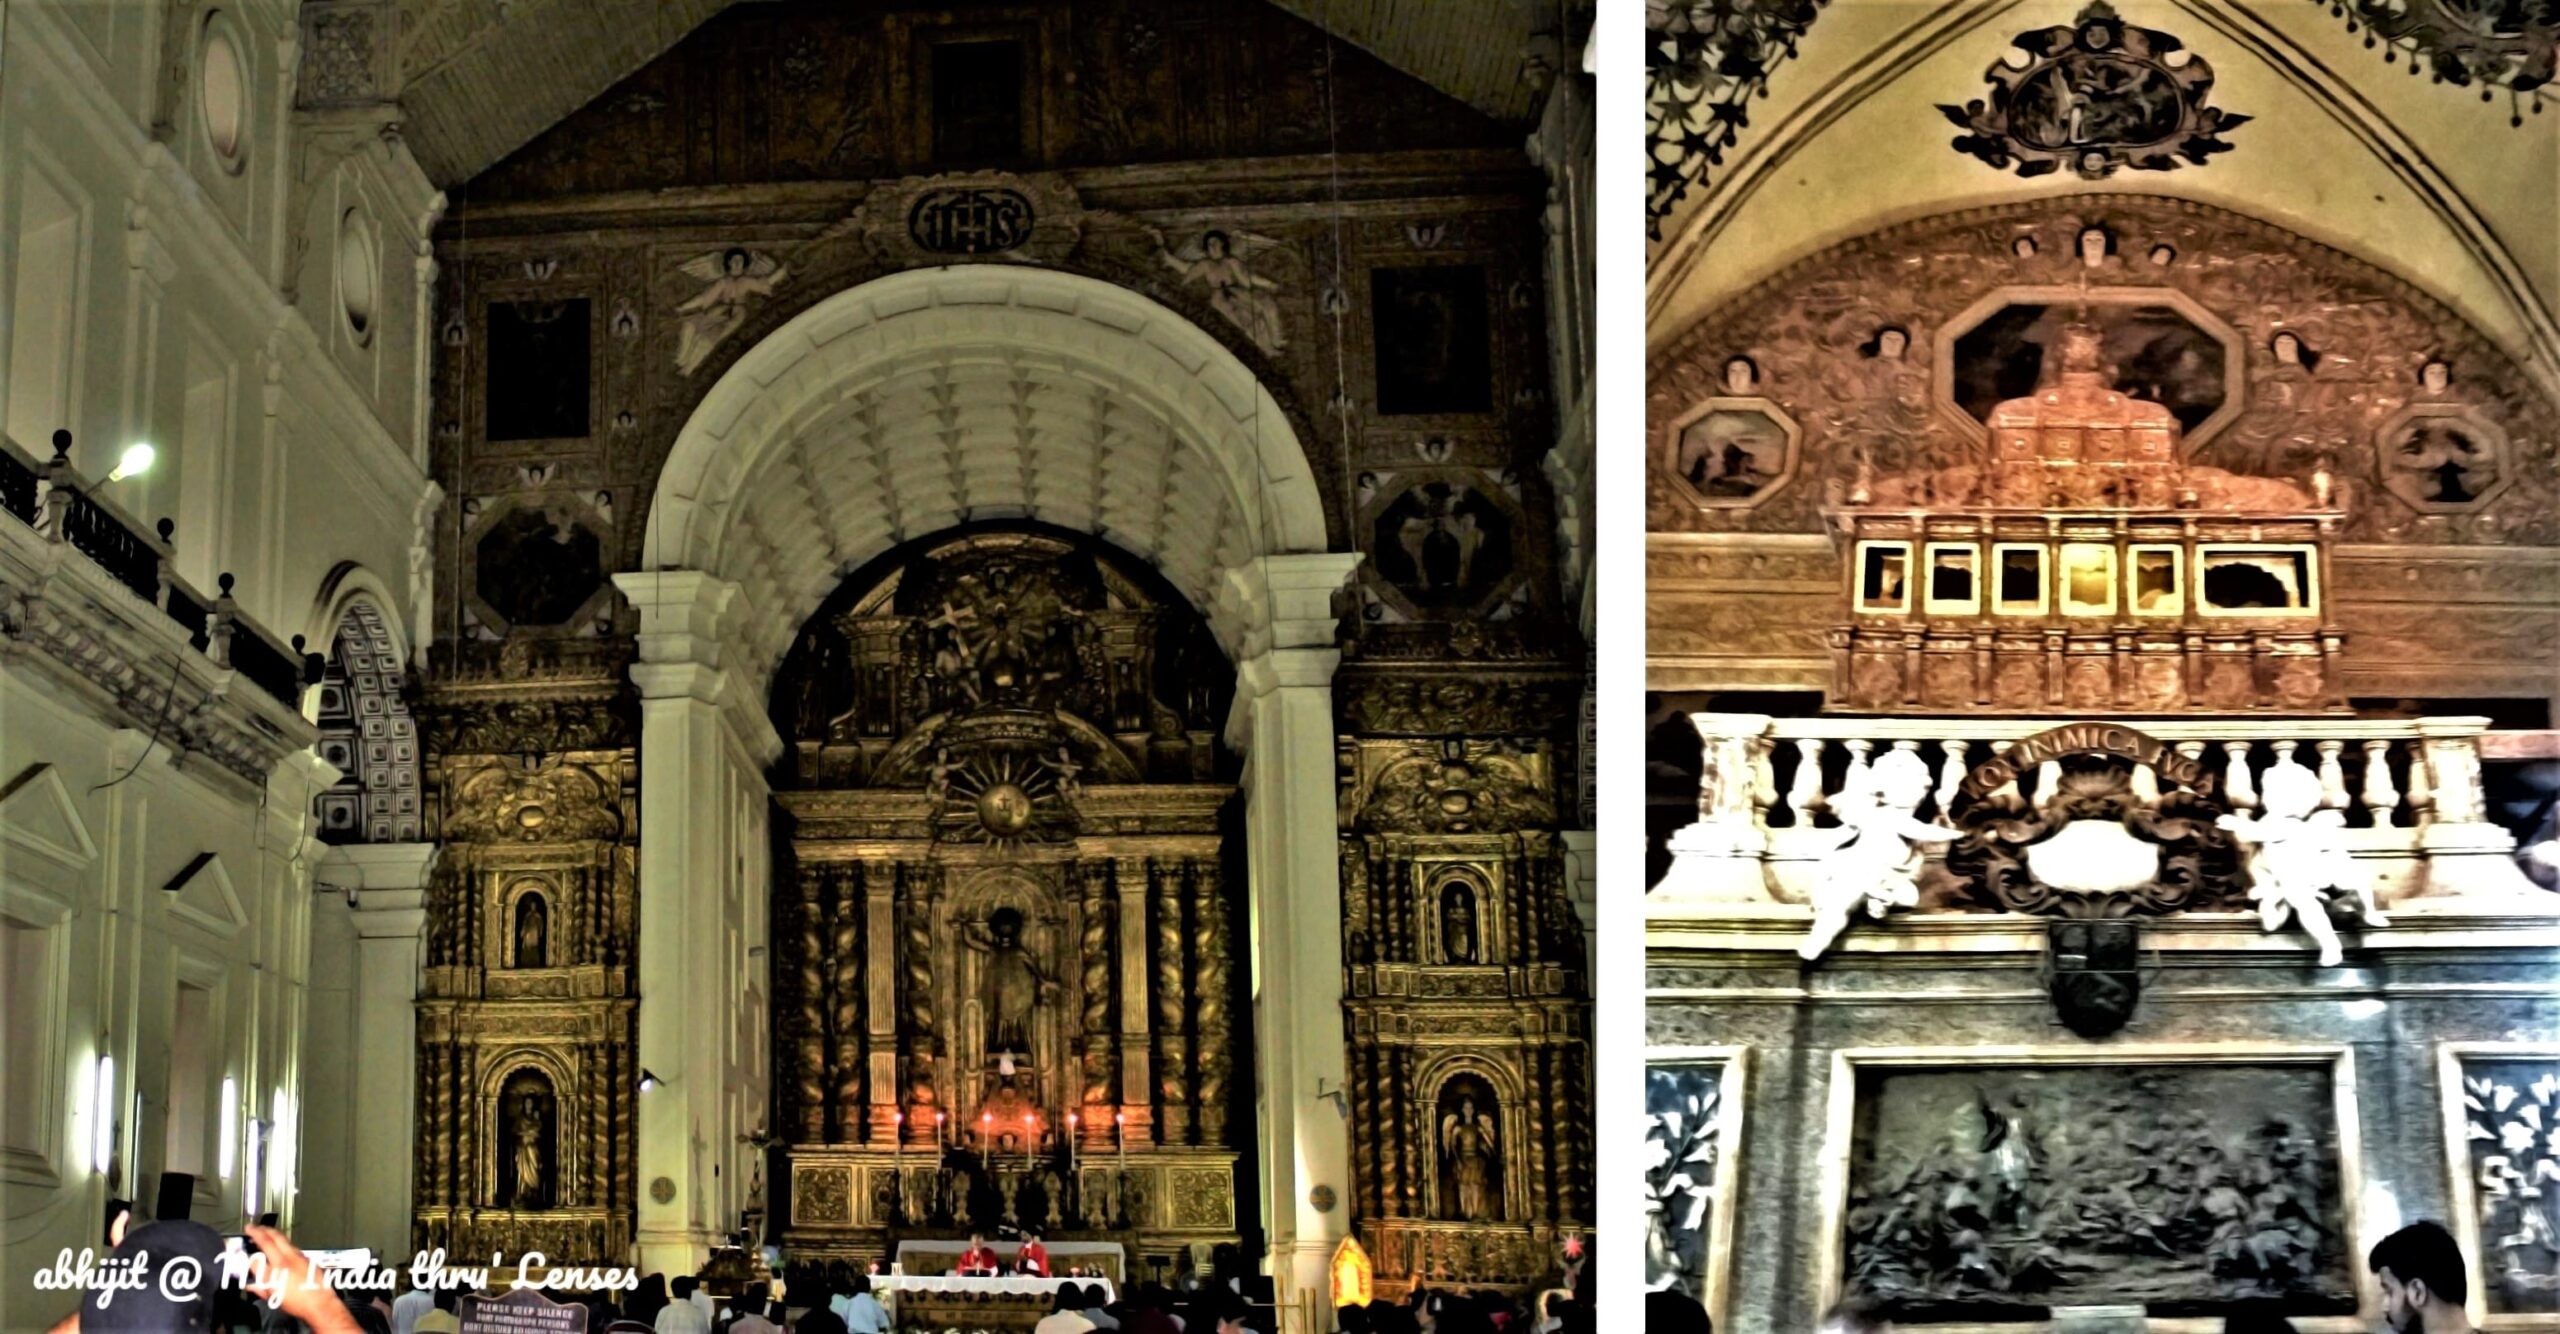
1686,1173
2504,1119
2329,349
1999,1193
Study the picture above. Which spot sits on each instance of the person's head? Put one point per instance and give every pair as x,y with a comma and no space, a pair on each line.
2421,1272
779,1312
2288,346
734,261
683,1287
449,1299
2435,376
1891,343
1351,1320
1214,245
174,1304
976,1241
857,1284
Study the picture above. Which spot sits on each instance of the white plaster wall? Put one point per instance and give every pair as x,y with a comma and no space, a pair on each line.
198,307
304,452
85,859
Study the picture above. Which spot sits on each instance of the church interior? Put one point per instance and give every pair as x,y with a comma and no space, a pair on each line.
721,636
2102,583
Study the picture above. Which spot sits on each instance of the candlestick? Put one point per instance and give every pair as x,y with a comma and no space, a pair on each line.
1071,1146
986,1139
1030,1135
1120,1188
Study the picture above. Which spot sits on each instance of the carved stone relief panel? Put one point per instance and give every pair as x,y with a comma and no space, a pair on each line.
1989,1192
2502,1130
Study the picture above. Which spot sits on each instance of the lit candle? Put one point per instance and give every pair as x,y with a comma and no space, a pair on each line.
897,1138
986,1137
1071,1144
1120,1188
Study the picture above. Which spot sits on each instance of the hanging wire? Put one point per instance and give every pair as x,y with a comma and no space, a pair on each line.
1340,294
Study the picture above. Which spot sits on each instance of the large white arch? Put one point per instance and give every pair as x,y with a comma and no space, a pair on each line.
889,411
919,400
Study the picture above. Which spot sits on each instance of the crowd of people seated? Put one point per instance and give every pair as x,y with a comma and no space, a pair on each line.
289,1294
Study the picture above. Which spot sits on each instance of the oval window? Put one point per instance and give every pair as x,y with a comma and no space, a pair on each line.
225,93
359,274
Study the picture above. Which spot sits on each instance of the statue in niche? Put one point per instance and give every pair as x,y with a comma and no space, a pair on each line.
1222,263
2297,853
526,1155
1458,924
732,278
533,932
1875,865
1012,984
1469,1155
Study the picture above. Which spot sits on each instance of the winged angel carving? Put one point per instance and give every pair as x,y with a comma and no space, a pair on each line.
1222,262
732,279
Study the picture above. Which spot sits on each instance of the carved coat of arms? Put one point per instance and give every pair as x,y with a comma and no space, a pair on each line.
2097,96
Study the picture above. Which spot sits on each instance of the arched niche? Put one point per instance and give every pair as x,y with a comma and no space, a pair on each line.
528,1154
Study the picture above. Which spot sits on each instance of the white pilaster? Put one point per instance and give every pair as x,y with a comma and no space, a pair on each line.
390,915
1284,722
704,742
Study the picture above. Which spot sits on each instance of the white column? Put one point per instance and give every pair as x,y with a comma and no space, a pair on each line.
390,915
704,742
1284,723
1721,858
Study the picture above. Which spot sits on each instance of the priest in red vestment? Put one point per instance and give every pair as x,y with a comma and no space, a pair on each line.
1033,1261
979,1261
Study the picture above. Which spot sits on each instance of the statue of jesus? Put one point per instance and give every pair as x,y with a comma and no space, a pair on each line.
1012,981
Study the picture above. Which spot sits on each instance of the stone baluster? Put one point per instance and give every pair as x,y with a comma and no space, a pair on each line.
2422,796
2190,751
2380,797
2239,781
1804,795
1764,780
1952,754
2333,775
1854,781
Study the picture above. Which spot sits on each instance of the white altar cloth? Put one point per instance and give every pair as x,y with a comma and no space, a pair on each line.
952,1283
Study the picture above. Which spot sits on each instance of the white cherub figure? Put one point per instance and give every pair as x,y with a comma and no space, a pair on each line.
2297,854
1879,853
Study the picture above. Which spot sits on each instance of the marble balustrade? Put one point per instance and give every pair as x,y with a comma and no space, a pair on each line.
2409,791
